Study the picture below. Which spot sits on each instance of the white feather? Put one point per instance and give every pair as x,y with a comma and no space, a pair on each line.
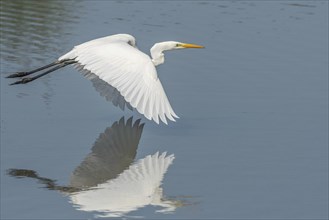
132,73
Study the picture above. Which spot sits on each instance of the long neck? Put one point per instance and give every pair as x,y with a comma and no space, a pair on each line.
157,52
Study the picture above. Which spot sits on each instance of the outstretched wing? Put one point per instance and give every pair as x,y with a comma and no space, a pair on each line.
122,66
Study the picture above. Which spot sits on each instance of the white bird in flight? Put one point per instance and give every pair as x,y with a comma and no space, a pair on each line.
120,72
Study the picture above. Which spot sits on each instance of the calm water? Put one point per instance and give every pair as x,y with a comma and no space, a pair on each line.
251,141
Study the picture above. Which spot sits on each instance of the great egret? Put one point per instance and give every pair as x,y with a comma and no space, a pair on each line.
120,72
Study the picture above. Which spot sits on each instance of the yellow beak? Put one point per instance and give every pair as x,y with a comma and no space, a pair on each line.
191,46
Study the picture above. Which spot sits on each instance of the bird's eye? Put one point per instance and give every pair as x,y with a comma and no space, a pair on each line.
177,45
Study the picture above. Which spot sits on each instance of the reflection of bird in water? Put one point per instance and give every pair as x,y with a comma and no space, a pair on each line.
122,73
136,187
108,181
112,153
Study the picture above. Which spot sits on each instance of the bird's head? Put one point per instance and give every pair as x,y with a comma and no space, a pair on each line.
180,45
172,45
158,48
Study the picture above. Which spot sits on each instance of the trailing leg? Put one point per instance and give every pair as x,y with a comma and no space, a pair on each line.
21,74
62,64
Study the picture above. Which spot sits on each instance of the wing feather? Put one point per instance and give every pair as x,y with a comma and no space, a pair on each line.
129,71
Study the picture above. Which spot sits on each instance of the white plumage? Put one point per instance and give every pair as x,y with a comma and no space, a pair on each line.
116,61
128,70
120,72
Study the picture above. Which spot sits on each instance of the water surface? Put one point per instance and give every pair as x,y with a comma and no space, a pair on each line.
252,138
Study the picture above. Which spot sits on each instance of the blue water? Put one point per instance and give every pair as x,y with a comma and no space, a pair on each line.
252,138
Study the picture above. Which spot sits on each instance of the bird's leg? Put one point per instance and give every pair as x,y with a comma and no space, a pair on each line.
21,74
49,183
61,64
